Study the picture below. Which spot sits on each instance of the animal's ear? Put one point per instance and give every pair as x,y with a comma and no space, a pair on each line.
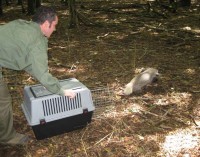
143,69
157,74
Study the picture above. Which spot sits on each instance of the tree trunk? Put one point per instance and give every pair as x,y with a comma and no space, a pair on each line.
73,19
32,5
8,2
19,2
185,3
38,3
30,8
1,8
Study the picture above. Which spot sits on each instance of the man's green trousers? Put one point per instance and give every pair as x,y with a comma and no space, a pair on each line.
7,131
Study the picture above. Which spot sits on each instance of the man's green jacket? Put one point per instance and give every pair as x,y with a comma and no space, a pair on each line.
24,47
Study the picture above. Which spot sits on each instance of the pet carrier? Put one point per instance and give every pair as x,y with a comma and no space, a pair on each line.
50,114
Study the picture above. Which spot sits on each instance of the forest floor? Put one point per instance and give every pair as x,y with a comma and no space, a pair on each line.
163,120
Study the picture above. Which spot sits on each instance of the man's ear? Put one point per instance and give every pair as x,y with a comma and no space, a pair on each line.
46,24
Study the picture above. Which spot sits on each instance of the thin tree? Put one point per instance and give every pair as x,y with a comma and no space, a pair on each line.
75,17
1,7
32,5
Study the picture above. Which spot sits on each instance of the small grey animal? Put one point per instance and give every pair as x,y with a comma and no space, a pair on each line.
141,80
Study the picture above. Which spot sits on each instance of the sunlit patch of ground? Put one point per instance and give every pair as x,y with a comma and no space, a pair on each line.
181,142
177,142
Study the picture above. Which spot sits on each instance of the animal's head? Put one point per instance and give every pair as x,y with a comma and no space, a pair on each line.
128,89
151,70
153,73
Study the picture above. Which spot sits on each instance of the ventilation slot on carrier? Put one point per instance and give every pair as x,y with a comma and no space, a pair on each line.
61,104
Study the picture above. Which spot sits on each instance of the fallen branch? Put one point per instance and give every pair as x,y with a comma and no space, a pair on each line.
195,91
110,134
82,142
150,113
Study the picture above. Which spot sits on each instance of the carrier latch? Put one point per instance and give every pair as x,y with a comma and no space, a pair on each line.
42,122
85,111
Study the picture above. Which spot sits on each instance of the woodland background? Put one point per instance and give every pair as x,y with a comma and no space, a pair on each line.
106,46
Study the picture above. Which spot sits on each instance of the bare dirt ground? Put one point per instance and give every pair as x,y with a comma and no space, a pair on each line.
160,121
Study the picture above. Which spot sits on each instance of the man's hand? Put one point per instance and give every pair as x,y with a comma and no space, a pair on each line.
70,93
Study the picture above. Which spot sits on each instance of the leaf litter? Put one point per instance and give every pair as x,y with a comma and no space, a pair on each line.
163,120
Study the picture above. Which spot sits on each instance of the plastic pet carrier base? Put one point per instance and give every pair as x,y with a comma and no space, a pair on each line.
50,114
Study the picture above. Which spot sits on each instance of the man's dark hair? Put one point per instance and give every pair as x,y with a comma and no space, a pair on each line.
44,13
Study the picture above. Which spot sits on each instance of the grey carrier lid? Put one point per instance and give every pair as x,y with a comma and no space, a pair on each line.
40,104
40,91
